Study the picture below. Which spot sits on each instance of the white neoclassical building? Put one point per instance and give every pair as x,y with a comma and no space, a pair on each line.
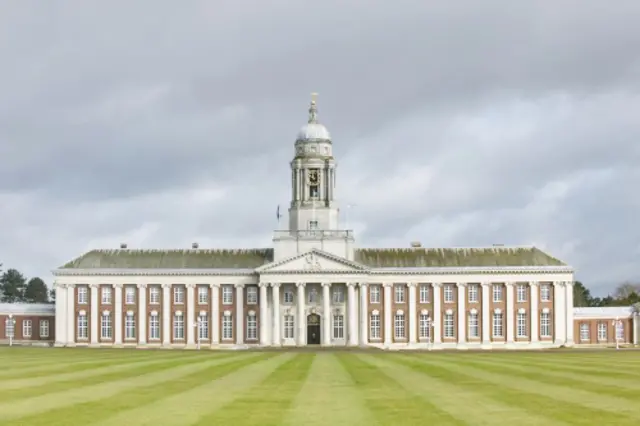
315,287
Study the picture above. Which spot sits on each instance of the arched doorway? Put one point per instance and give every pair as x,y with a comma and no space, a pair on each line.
313,329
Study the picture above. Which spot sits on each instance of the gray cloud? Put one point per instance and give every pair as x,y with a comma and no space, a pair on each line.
463,124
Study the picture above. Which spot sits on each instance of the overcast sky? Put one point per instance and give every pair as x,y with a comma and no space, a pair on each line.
466,123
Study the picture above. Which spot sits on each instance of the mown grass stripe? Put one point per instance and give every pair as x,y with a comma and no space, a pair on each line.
390,403
267,402
461,400
329,397
58,407
189,406
624,387
104,375
563,403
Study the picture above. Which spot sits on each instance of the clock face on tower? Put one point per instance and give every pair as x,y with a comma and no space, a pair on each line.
313,177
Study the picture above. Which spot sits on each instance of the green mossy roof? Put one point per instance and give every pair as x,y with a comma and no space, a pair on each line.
454,257
172,259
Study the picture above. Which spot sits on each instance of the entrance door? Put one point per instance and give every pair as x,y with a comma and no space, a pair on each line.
313,329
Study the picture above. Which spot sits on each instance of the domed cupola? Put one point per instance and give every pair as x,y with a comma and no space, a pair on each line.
313,131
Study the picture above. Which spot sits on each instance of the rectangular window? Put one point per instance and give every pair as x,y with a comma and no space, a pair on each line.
154,327
203,327
497,293
338,327
252,327
545,325
203,295
425,327
448,326
130,327
178,327
602,331
521,322
288,327
424,294
313,224
82,295
497,324
27,328
313,295
9,331
83,327
44,328
398,326
106,328
227,295
106,295
178,295
619,331
288,295
474,331
154,295
130,295
374,326
584,332
338,295
522,293
448,293
545,292
473,293
252,295
374,294
399,293
227,327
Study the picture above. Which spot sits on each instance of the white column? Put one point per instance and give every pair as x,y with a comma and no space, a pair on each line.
413,315
569,311
263,314
61,313
118,313
215,314
239,314
558,313
326,314
94,314
437,313
353,314
300,320
166,314
276,313
462,313
142,314
486,315
190,318
510,312
388,329
635,328
71,315
364,315
535,316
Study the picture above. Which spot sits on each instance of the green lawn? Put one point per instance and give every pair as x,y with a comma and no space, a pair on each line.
48,387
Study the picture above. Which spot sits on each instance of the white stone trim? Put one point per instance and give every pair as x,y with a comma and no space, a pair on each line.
497,311
202,313
473,311
130,312
449,312
424,312
82,312
251,313
227,313
522,311
375,312
545,310
106,313
153,313
178,313
399,312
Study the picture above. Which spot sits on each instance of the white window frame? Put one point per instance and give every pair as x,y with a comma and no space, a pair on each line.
154,295
497,293
82,327
425,327
44,328
497,325
203,295
154,327
27,328
106,295
289,327
337,295
374,294
178,327
472,293
521,324
424,293
227,295
106,327
130,295
374,327
521,293
227,327
130,327
585,332
203,327
252,295
448,293
288,295
602,332
545,293
399,329
399,293
178,295
473,324
449,326
313,296
252,327
338,326
545,324
82,295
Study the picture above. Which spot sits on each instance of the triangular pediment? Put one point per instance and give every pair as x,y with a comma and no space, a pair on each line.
314,261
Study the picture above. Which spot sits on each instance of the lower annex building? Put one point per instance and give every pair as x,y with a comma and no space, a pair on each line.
315,287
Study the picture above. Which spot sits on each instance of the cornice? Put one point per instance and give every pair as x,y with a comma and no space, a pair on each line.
152,272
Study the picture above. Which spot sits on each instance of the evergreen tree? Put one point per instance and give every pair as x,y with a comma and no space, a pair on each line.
36,291
12,284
